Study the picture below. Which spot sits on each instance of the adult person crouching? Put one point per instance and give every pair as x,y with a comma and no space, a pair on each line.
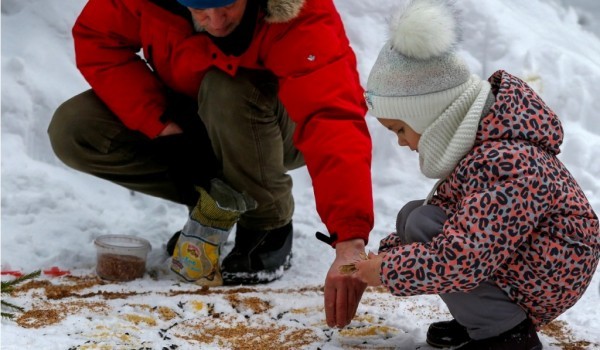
241,90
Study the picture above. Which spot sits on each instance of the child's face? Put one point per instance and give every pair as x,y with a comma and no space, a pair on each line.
406,135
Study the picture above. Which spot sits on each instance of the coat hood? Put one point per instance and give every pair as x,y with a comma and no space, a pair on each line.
280,11
520,114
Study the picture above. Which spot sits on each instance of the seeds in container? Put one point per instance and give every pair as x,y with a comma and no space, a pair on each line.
118,267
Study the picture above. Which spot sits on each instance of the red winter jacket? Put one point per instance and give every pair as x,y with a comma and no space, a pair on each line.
516,216
302,42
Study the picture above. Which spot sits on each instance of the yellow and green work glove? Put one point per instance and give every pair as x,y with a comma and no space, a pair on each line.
196,254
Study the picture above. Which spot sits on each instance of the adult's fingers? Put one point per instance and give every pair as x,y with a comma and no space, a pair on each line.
341,306
330,300
352,303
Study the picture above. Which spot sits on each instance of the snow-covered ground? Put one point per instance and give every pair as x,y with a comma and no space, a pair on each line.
51,214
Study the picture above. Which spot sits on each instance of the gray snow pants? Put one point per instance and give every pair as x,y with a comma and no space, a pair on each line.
485,311
237,130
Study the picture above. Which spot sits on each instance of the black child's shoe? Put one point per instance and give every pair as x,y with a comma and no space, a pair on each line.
521,337
258,256
447,334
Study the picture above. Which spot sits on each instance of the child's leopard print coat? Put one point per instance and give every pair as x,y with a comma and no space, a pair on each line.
516,216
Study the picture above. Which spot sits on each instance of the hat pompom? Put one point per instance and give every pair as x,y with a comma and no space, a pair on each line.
425,29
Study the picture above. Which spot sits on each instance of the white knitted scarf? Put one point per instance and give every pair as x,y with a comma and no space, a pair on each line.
451,136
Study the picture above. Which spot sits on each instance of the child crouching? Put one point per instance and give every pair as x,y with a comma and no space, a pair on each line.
507,237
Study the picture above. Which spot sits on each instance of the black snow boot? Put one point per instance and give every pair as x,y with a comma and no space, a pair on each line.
447,334
172,242
258,256
521,337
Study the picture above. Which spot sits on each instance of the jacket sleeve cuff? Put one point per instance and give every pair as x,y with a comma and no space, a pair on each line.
345,233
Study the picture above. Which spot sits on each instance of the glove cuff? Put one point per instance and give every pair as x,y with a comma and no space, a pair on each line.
222,207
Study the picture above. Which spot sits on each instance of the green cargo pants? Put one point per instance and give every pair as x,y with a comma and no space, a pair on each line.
240,133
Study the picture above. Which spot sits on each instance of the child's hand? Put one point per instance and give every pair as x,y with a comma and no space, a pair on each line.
369,270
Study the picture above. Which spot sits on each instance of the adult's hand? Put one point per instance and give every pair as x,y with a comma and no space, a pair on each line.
342,291
171,129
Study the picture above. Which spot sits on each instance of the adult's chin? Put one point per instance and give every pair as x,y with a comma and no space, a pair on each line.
219,33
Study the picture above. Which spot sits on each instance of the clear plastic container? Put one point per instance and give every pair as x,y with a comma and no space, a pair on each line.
121,257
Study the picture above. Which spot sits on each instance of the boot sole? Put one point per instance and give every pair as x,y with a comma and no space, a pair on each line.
258,277
445,345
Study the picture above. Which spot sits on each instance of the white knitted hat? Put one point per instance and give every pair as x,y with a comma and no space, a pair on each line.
417,74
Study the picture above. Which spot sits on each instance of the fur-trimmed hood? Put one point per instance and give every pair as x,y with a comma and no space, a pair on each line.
281,11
